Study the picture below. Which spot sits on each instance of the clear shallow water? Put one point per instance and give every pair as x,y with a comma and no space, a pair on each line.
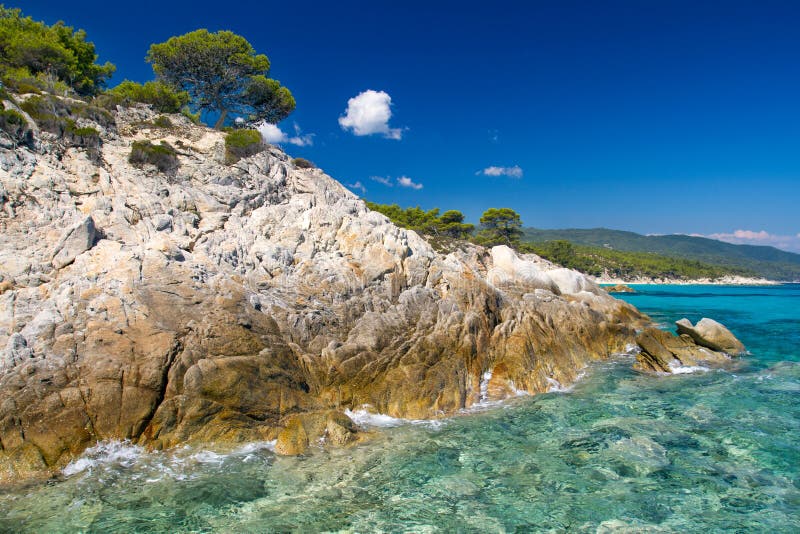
710,451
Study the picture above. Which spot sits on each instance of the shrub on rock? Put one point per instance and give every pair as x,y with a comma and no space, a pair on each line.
302,163
159,95
242,144
162,155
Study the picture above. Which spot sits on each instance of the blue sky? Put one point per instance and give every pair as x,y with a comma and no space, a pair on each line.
654,116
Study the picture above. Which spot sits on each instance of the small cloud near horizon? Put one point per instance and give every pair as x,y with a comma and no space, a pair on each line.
357,186
788,243
405,181
368,113
385,180
511,172
274,135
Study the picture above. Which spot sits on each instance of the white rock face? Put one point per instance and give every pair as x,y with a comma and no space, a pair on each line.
213,303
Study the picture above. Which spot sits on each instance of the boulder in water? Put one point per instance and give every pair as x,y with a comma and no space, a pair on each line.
709,333
664,352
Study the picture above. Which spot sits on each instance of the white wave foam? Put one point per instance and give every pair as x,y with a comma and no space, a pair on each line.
121,453
154,466
364,418
687,369
484,386
556,386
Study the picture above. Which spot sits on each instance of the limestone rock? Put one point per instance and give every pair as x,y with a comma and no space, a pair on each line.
709,333
224,300
663,352
293,439
76,240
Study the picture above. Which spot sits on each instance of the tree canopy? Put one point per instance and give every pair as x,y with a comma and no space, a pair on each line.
30,48
223,74
500,226
161,96
449,224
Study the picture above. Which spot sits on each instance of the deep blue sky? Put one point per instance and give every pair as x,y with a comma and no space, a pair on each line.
657,117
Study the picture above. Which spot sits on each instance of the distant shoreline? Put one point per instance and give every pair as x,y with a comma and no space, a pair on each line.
724,281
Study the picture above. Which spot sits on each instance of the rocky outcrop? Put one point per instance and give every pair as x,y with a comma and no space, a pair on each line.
619,288
76,240
664,352
709,333
229,302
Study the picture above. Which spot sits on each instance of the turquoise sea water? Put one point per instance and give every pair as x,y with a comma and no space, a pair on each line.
713,451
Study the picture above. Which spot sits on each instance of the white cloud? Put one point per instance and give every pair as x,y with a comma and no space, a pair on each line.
385,180
357,186
369,113
273,134
511,172
405,181
762,237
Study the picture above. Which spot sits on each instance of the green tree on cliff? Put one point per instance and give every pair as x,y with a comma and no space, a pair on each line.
223,74
33,51
500,226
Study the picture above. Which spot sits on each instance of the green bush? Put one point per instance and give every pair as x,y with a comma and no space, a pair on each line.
58,116
448,225
110,102
163,156
22,81
194,117
15,125
159,95
302,163
163,121
241,144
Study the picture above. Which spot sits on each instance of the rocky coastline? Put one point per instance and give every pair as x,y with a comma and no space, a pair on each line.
250,301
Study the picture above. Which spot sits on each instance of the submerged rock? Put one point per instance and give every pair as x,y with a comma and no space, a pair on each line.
240,302
709,333
619,288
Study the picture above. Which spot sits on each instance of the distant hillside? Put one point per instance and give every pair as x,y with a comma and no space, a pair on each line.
768,262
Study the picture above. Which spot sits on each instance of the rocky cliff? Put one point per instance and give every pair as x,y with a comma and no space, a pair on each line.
233,302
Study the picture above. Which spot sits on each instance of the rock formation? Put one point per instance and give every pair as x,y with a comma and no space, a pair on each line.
619,288
664,352
711,334
250,301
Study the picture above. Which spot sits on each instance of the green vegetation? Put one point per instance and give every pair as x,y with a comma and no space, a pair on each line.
500,226
58,115
768,262
162,121
222,74
163,156
14,124
430,223
598,261
159,95
241,144
302,163
34,55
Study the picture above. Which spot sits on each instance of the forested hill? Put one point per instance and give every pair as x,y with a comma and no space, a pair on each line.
768,262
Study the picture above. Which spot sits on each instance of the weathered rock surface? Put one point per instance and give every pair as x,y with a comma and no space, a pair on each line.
664,352
77,240
234,302
709,333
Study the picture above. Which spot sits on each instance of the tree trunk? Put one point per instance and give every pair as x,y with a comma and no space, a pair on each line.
221,120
